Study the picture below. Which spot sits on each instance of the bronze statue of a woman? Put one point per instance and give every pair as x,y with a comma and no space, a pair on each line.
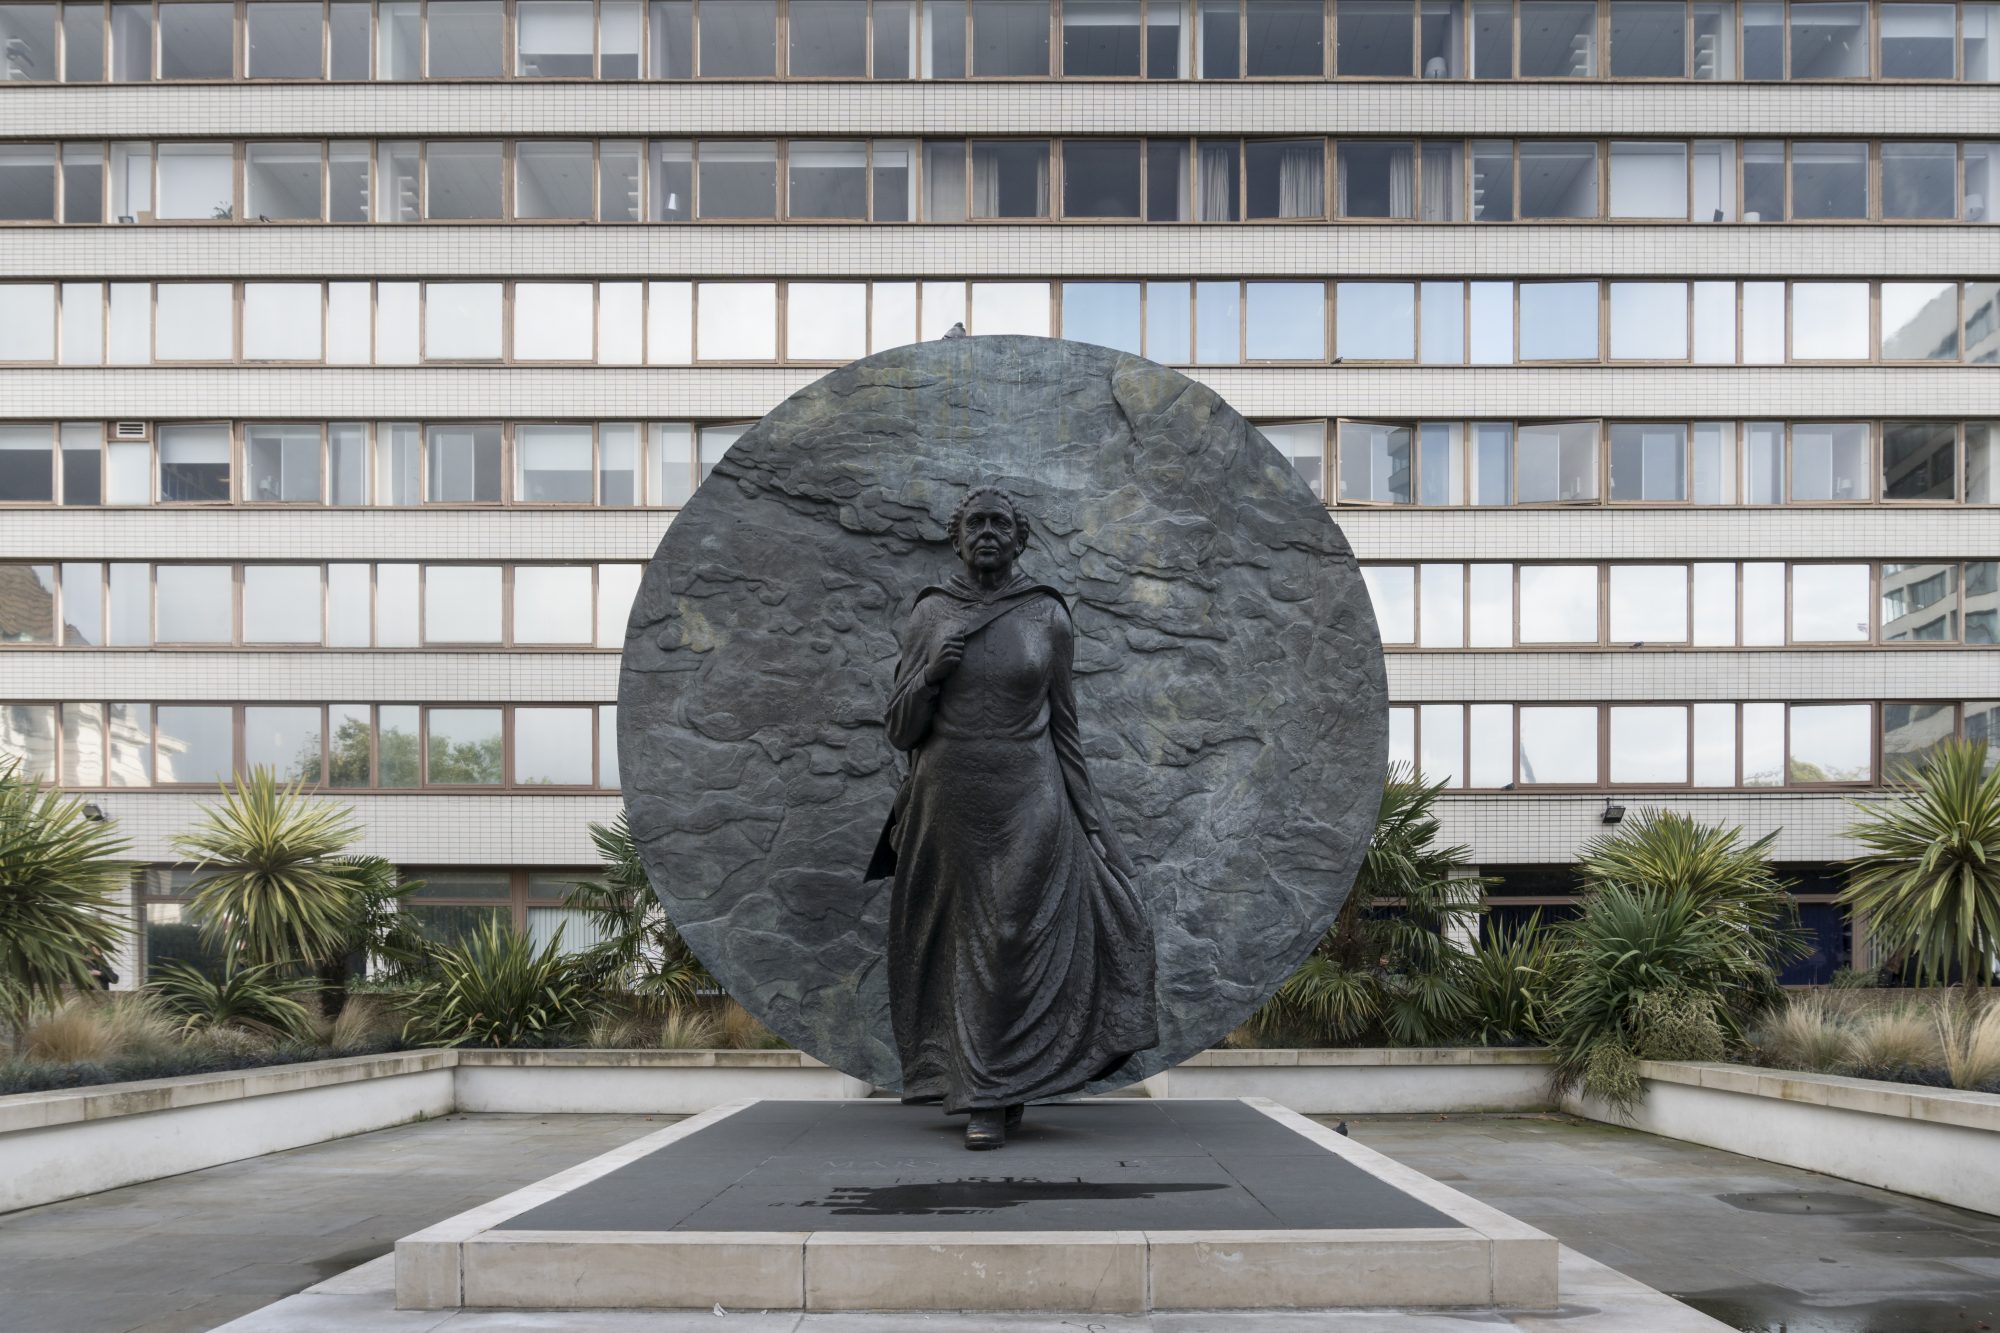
1020,954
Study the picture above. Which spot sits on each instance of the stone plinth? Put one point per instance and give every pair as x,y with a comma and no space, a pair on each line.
1101,1206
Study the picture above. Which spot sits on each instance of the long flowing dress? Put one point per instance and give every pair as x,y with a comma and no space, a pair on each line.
1021,962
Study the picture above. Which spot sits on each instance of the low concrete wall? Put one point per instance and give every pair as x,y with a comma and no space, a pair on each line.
1930,1142
1367,1082
57,1145
642,1082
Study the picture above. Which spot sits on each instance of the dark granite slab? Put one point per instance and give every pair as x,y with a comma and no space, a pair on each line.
1087,1166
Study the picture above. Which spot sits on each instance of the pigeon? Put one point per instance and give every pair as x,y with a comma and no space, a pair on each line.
955,331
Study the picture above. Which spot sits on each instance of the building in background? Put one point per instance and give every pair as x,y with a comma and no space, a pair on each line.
354,356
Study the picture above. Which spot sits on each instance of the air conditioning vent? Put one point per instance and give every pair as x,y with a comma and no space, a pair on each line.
131,430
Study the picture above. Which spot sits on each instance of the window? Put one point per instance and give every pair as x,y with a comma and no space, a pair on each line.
83,604
1919,321
1393,591
552,604
738,321
1829,603
1287,38
1439,470
1284,178
281,604
465,39
1829,41
1441,39
1910,732
27,321
1829,180
1105,313
1010,307
195,41
618,39
1648,604
551,179
617,589
347,607
282,179
284,464
28,183
553,747
281,321
1101,178
552,464
283,40
462,321
553,40
462,604
1649,745
83,182
1559,39
28,43
1217,197
828,39
196,179
1010,38
464,464
1649,321
1982,178
82,463
1558,321
1377,180
1558,604
672,52
1830,461
895,180
739,180
1829,321
350,740
1492,39
197,743
1558,745
827,180
1444,324
463,747
396,599
1919,460
1714,176
826,321
1100,38
739,40
1285,321
1376,321
1648,41
1374,463
1648,180
1010,178
27,465
193,604
1376,39
28,613
1715,323
1558,180
1919,603
1829,743
553,321
1303,444
1442,624
194,463
1763,181
1919,180
1648,463
462,179
1556,462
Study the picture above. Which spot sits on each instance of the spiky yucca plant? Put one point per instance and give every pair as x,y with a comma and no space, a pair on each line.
1725,876
60,875
1507,975
1929,883
493,988
270,885
255,998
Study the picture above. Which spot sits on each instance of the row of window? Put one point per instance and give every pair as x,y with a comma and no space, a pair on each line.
1509,747
102,744
334,605
1652,462
959,180
87,604
611,464
658,464
135,40
1445,323
1701,605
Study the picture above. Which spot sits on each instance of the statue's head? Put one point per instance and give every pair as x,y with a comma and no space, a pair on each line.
988,530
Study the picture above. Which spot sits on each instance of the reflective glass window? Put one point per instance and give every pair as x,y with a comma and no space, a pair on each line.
1715,745
462,321
827,180
1558,39
282,180
553,321
1830,603
463,463
193,604
27,464
1558,180
462,604
283,463
1830,743
553,40
552,179
1100,38
1378,179
1375,321
1649,744
1919,321
552,464
1649,321
1919,603
1443,324
1442,622
739,180
1919,460
285,740
552,604
1374,462
195,40
1441,742
1105,313
552,747
1829,40
1558,746
1376,39
197,743
1649,40
1558,603
1829,321
462,179
1714,605
1556,462
1648,180
828,39
465,38
194,463
739,39
1392,589
1713,455
349,594
463,747
1101,178
1558,321
1830,461
1648,462
738,321
1829,180
28,613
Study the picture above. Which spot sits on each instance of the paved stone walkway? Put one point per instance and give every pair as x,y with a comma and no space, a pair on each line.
1760,1247
193,1252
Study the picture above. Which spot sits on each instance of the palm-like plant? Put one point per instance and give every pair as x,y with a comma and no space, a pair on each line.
639,947
1507,975
492,988
59,877
1390,962
1929,883
1710,864
270,882
254,998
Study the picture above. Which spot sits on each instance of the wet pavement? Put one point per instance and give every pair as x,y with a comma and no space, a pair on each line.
1763,1248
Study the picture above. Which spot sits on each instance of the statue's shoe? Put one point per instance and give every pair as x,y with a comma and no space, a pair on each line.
1014,1115
986,1129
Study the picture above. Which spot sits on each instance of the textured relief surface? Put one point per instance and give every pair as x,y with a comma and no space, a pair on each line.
1228,674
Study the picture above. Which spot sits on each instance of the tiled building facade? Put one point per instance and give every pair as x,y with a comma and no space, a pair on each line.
354,355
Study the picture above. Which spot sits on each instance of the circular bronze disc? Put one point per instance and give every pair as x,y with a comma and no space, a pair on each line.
1228,674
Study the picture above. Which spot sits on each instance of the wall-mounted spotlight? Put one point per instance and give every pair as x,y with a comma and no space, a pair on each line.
93,812
1612,813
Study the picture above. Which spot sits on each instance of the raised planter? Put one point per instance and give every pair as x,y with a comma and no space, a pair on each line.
1368,1082
641,1082
1934,1143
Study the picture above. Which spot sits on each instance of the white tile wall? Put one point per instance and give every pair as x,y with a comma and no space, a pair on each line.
1874,532
1518,829
177,533
315,677
742,108
1032,250
748,392
1502,677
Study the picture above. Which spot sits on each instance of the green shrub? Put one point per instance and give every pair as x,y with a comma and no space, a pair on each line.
493,989
1505,977
256,999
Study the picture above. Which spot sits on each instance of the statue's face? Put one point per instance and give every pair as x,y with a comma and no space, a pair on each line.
987,536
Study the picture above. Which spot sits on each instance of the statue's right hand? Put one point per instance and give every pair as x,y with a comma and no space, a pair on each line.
945,660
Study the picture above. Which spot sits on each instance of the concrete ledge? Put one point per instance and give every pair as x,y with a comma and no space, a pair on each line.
645,1082
1932,1143
1368,1082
